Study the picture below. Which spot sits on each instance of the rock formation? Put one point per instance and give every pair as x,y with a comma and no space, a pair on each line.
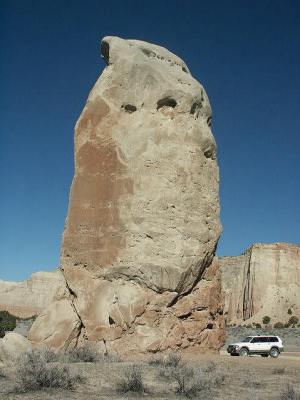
265,280
11,346
143,220
28,298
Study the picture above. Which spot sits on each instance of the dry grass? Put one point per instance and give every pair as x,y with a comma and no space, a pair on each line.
278,371
289,393
132,380
227,378
35,373
85,353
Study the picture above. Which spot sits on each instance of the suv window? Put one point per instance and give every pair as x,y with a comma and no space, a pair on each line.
264,340
247,339
255,340
273,339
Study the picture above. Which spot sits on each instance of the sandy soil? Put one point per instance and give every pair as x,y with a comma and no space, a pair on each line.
248,378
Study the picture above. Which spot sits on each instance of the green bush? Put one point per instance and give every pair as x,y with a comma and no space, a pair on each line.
293,321
257,326
290,312
266,320
279,325
7,322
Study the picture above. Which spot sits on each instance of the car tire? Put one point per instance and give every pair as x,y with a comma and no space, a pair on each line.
243,352
274,352
265,355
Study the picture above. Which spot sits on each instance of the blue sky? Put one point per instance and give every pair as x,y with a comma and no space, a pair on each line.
245,53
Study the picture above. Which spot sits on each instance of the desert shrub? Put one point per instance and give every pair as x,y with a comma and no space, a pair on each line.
132,381
253,381
156,361
209,367
109,358
196,383
290,312
34,373
7,322
266,320
293,321
289,393
84,353
173,360
278,371
190,382
49,355
257,325
278,325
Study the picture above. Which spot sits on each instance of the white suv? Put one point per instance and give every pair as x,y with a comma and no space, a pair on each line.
263,345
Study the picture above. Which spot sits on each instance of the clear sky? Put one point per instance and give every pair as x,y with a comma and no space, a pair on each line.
245,53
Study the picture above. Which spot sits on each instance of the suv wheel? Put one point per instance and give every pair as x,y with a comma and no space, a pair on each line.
243,352
274,352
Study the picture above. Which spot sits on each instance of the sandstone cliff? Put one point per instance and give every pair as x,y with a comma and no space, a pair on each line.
28,298
143,220
265,280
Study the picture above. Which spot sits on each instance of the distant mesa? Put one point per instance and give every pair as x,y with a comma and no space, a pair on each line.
30,297
263,281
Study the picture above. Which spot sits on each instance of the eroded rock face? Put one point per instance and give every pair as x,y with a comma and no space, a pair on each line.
265,280
143,220
29,298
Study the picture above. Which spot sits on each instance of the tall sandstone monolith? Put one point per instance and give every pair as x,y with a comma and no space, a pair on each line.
143,221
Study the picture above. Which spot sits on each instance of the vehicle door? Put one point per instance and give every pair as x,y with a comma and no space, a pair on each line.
264,344
255,345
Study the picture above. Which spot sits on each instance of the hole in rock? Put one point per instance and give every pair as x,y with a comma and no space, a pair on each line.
185,316
166,102
208,153
148,53
130,108
209,121
105,51
195,109
111,320
184,70
149,236
209,326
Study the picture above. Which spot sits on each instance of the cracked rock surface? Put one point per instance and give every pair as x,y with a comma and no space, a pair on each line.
143,220
263,281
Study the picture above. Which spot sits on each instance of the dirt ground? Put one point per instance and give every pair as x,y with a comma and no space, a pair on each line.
247,378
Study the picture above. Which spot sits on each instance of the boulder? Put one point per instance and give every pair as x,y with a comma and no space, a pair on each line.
263,281
143,220
12,346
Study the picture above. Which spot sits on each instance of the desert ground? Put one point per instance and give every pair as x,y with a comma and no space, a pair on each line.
222,377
